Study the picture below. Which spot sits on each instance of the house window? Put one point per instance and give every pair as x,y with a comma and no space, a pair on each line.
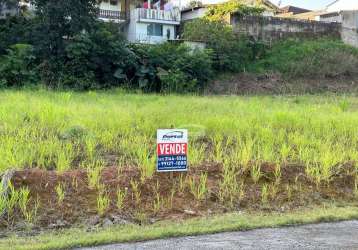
155,29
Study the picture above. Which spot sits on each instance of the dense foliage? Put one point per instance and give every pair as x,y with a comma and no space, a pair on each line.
97,59
57,23
16,68
231,52
172,68
96,56
71,49
65,46
14,30
62,19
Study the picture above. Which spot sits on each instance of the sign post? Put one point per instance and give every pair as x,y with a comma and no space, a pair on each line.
172,150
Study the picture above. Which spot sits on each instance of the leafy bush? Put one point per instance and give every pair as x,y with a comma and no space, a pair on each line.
97,59
322,58
57,20
16,68
171,67
57,23
231,52
176,81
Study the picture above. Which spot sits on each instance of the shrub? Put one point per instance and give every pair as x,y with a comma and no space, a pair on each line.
56,24
14,30
196,64
175,81
97,59
16,68
231,52
322,58
57,20
172,67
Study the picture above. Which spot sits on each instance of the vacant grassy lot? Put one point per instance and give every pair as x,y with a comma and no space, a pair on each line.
274,153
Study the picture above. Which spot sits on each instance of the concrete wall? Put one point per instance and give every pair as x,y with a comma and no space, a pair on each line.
350,27
193,14
273,28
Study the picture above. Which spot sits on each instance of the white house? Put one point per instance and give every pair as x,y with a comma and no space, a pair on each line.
340,5
346,13
151,21
334,9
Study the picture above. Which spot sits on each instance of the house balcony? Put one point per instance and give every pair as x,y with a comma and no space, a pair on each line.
112,15
156,16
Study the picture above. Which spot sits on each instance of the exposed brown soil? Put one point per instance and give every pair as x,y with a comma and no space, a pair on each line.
247,83
79,207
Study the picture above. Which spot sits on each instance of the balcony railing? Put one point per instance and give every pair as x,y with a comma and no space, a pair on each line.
112,14
160,15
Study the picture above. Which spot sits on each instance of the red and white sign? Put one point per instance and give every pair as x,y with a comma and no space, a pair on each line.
172,150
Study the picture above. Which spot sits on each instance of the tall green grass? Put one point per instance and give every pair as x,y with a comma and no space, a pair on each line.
318,58
65,130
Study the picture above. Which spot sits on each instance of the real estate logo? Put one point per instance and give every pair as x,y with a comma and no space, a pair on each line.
172,150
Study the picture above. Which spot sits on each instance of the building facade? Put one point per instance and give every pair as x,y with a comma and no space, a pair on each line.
144,21
333,11
342,5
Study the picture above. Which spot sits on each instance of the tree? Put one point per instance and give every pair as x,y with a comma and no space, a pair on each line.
97,59
58,22
13,30
16,68
61,20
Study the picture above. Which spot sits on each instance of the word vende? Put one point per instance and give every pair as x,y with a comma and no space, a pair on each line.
172,150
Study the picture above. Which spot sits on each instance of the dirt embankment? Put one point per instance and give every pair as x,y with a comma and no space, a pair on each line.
248,83
170,196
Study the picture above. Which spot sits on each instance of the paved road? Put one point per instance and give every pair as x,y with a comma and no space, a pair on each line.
342,235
